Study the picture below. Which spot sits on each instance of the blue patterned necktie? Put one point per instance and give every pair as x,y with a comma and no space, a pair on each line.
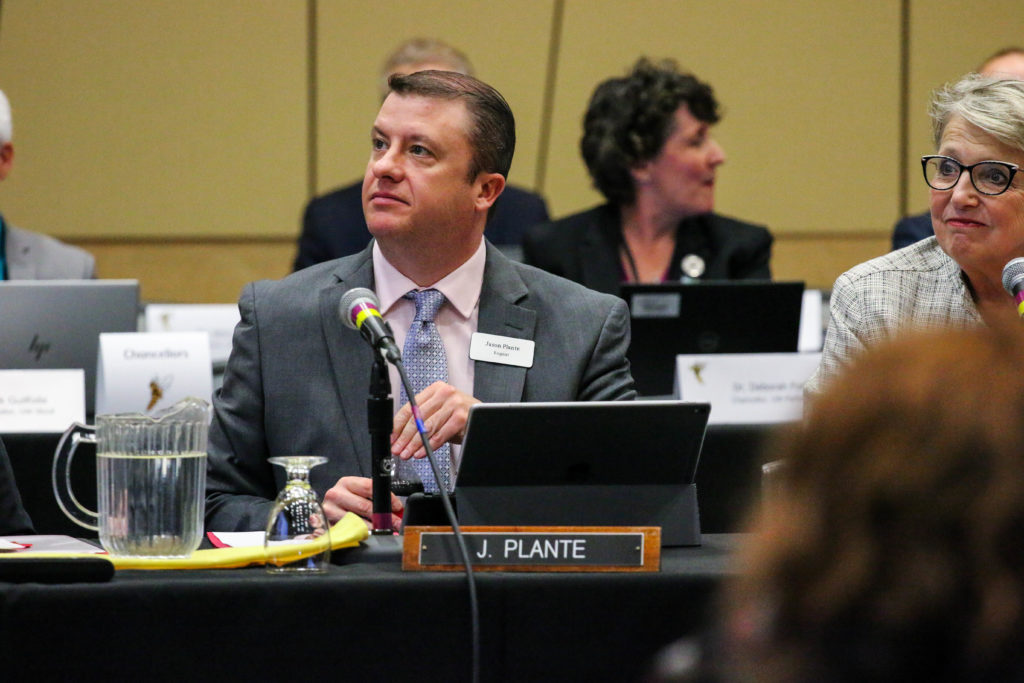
426,363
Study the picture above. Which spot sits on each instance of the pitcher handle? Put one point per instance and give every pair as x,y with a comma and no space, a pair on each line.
69,505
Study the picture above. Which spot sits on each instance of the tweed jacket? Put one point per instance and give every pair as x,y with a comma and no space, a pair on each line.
917,287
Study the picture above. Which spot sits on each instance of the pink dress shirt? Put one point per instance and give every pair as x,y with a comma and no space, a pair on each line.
456,320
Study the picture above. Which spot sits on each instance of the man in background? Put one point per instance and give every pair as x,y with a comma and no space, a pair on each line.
28,255
1006,63
333,224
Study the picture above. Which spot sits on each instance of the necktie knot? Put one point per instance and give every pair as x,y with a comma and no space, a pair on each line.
428,302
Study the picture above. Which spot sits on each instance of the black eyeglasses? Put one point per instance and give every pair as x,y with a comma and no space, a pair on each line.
988,177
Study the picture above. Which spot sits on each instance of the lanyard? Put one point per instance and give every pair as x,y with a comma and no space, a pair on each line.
632,263
629,259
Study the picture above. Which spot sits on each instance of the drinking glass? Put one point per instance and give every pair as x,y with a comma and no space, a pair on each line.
405,480
297,517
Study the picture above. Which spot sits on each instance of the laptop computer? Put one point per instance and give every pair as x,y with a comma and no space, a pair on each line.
736,316
587,463
55,324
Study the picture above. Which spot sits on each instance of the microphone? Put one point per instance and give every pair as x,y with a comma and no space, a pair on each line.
1013,282
360,310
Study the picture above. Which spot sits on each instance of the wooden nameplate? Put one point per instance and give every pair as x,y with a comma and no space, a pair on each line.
535,548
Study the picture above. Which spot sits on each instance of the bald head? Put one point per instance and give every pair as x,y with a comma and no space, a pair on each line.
422,54
1004,64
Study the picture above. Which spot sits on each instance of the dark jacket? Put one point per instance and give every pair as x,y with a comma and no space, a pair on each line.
584,247
14,521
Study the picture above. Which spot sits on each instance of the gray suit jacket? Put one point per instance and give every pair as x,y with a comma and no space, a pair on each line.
298,379
34,256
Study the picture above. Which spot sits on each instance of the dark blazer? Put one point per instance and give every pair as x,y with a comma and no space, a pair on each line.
14,521
584,247
333,225
298,379
912,229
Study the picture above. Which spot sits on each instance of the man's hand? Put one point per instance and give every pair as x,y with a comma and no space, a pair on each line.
444,410
355,494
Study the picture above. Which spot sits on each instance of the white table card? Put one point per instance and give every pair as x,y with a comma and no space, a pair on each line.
41,401
145,372
217,319
746,388
812,330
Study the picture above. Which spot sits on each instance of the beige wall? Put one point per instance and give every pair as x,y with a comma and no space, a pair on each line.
945,44
179,139
508,50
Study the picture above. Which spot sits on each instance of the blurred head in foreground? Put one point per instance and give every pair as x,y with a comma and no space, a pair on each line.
893,548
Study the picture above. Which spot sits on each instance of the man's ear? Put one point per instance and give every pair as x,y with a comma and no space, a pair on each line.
491,186
6,159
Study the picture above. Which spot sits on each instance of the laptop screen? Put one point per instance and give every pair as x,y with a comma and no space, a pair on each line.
615,463
584,442
55,324
738,316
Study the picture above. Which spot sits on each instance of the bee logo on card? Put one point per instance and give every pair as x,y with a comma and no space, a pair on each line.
698,368
157,387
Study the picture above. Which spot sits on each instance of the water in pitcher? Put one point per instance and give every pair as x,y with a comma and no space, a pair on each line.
151,505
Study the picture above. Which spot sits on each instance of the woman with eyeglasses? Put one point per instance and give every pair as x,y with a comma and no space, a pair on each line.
953,279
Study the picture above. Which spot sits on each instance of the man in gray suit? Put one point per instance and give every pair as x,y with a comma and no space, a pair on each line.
298,379
26,255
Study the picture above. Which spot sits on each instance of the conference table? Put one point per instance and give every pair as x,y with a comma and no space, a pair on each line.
365,619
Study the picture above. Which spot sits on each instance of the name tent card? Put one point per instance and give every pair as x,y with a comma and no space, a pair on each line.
534,549
218,320
145,372
41,401
747,388
812,330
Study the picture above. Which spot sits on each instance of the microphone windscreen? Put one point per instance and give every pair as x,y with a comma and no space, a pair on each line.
1013,275
353,297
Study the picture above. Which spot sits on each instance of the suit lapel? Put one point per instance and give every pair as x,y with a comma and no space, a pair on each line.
501,314
351,358
599,251
693,237
20,265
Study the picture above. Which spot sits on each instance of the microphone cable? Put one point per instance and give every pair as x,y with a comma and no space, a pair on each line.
474,609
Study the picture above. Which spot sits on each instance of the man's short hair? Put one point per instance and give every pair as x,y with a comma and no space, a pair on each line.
493,131
6,127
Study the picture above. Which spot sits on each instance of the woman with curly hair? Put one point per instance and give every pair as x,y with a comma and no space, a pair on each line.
648,147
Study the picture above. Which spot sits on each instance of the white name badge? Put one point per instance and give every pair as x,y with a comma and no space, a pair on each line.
41,401
494,348
218,320
145,372
746,388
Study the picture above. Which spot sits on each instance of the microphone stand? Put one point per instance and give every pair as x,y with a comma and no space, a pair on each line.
460,541
380,416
